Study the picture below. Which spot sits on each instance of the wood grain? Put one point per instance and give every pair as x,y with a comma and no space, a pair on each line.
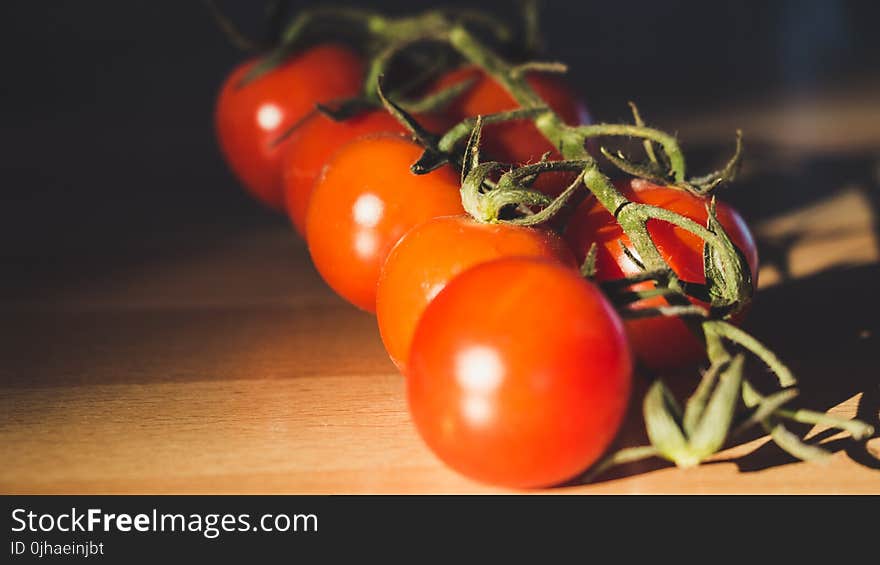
233,369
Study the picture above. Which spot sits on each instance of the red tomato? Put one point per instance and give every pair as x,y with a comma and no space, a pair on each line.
249,119
364,202
434,252
519,373
512,142
312,144
661,343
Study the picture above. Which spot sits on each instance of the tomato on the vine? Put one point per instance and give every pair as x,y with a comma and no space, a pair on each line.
518,141
313,143
250,118
433,253
519,373
364,202
659,342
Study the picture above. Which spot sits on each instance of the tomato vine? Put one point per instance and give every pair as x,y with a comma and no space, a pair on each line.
490,190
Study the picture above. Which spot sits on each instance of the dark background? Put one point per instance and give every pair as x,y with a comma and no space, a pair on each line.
107,145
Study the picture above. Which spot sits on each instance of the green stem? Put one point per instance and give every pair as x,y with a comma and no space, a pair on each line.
688,310
765,406
464,128
621,457
230,30
372,22
649,147
857,429
532,25
553,208
732,333
397,35
696,404
539,67
570,141
668,142
525,171
645,212
499,69
664,431
437,100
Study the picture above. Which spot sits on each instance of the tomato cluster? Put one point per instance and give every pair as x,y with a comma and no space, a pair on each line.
518,368
661,342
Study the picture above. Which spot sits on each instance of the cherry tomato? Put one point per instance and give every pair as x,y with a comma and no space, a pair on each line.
519,373
519,141
364,202
434,252
312,144
661,343
250,118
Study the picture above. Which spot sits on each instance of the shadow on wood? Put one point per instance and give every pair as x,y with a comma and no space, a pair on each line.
825,329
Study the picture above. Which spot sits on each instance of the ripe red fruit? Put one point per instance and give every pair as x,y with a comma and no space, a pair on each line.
315,141
659,342
517,141
519,373
250,118
433,253
362,205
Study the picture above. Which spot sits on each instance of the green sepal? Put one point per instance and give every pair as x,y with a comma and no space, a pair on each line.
341,110
588,267
710,432
648,171
425,138
431,160
495,200
794,446
662,415
466,127
725,175
554,67
554,206
621,457
472,195
715,330
471,157
438,100
647,143
675,311
728,277
696,404
764,406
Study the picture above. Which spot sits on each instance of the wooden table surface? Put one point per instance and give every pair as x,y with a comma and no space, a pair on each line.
232,369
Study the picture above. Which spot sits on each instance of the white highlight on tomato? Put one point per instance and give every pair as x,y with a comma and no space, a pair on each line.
477,410
367,210
479,371
365,244
269,116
